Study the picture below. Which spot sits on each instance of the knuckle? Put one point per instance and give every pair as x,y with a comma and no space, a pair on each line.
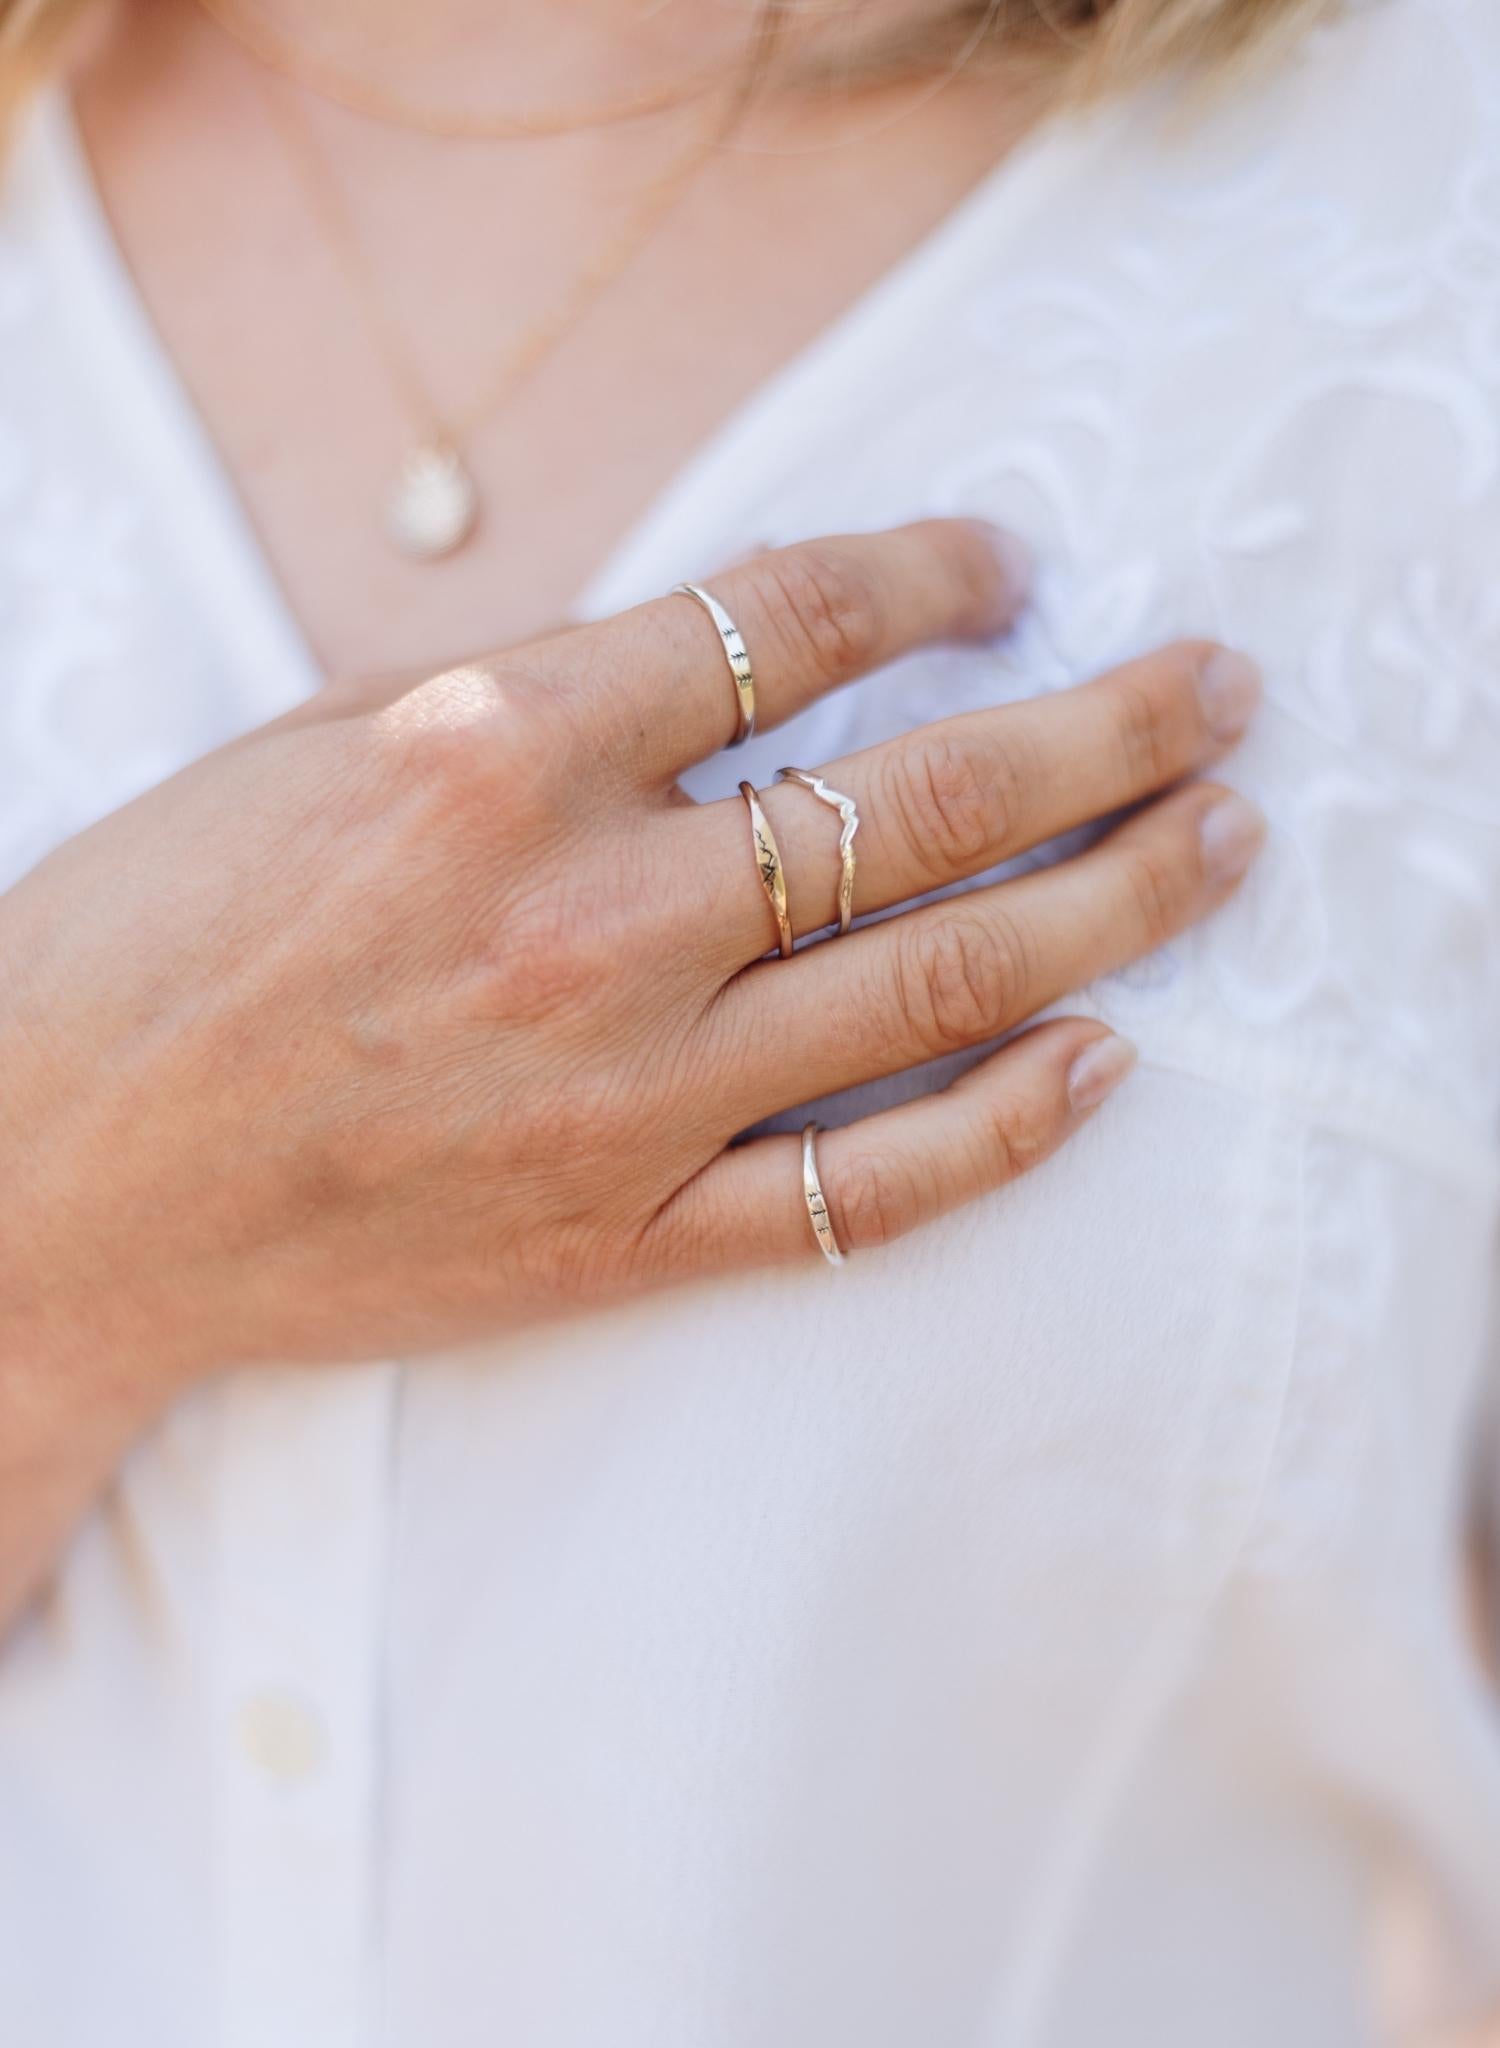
826,607
1012,1140
960,976
875,1200
479,740
454,769
578,1262
551,962
1143,733
949,813
1155,885
588,1115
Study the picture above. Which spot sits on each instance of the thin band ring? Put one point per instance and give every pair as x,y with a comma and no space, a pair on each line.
812,1194
849,815
768,867
735,653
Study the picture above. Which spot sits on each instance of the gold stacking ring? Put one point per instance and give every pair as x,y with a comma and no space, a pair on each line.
812,1194
768,867
735,653
844,805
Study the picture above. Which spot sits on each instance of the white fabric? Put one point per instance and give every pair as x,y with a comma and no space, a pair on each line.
1046,1634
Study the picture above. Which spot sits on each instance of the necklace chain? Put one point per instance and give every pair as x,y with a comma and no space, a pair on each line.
276,51
434,502
537,340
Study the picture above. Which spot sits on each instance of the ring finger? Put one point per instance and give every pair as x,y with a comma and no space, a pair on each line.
956,974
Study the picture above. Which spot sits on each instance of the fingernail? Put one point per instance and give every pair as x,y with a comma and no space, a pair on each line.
1231,835
1017,566
1228,690
1098,1071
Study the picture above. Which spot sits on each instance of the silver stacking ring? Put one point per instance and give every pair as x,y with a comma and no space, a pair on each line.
849,820
812,1194
735,653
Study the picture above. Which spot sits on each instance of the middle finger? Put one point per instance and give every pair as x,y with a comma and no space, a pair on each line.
955,798
959,973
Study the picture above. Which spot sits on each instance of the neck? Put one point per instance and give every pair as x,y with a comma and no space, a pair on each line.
532,51
528,49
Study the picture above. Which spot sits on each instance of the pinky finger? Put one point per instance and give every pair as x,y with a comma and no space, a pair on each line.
890,1173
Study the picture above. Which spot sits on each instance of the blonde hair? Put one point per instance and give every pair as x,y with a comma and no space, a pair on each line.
1096,46
1111,45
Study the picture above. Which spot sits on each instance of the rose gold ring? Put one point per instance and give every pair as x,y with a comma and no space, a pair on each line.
768,866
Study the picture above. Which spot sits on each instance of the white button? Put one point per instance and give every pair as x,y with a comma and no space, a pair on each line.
281,1734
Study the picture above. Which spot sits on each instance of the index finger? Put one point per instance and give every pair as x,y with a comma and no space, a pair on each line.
813,617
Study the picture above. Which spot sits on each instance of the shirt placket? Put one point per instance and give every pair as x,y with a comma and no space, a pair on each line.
303,1510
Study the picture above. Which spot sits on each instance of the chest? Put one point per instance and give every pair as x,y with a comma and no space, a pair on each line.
1080,356
303,288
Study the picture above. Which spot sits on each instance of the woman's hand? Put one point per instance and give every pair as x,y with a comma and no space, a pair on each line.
379,1028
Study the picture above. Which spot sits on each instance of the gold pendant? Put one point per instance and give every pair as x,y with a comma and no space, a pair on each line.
432,506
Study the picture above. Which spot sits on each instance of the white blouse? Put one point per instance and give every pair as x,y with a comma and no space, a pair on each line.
1048,1633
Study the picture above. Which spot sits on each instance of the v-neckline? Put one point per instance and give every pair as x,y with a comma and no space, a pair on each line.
182,463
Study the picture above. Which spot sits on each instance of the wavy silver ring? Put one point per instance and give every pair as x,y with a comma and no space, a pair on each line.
812,1194
735,653
845,807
